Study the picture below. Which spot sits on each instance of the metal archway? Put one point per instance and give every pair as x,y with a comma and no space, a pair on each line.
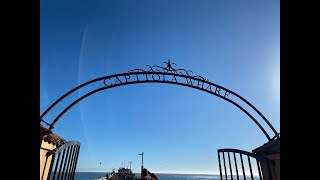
168,75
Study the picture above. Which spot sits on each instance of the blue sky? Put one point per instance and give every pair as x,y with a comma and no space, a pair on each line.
235,44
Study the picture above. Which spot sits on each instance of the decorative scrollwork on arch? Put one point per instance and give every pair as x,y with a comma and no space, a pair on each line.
168,69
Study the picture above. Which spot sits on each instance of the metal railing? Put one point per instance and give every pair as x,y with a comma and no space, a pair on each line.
64,162
261,165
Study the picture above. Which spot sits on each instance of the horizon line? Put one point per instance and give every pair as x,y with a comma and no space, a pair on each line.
201,173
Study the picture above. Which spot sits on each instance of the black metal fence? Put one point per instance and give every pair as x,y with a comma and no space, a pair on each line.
64,161
242,165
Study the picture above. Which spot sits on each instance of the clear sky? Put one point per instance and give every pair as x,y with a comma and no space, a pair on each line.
235,44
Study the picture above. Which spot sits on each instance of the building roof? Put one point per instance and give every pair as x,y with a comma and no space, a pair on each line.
51,138
44,131
270,147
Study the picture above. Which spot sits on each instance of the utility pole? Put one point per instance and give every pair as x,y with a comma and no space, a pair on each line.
142,161
130,164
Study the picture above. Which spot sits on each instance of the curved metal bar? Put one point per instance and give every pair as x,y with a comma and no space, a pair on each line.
248,103
71,91
255,109
260,158
167,82
68,144
138,72
158,70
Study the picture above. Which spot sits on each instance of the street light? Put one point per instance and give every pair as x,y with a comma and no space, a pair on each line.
142,161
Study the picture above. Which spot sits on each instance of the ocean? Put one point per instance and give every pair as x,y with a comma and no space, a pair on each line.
97,175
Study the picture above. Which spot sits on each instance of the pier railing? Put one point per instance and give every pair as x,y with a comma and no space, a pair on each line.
64,161
237,164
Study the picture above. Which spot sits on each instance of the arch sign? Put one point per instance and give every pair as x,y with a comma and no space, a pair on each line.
169,75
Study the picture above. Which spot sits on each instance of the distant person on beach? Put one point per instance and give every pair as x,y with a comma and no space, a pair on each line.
147,175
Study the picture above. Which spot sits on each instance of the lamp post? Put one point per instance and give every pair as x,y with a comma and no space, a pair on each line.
142,161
